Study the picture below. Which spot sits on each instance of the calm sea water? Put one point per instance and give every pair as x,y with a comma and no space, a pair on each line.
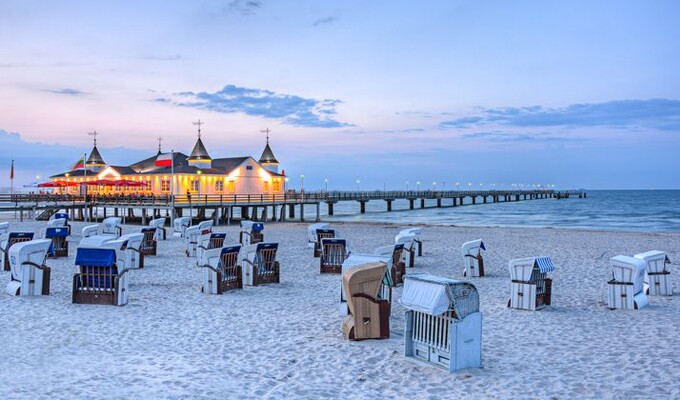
624,210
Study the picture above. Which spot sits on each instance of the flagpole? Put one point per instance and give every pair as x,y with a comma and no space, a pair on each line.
84,187
11,187
172,185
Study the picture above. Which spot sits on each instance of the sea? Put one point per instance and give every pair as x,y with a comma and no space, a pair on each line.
614,210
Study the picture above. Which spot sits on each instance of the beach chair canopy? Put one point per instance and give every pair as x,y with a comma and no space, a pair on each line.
134,240
157,223
95,241
435,295
56,232
95,257
180,222
355,260
203,225
57,222
627,269
364,278
656,260
405,238
90,230
522,268
112,222
471,247
388,250
214,235
311,230
60,215
33,251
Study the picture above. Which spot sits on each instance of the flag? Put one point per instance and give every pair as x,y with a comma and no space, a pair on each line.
11,172
164,160
79,164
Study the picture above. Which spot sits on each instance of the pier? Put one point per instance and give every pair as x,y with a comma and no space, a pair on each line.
223,209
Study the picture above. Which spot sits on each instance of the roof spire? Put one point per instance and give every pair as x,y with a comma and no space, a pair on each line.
160,139
94,133
267,132
199,123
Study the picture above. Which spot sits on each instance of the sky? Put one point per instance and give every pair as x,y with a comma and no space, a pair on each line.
357,94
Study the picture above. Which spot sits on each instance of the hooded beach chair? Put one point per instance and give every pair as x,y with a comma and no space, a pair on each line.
316,232
418,242
251,233
221,271
397,266
100,278
355,260
90,230
659,276
193,234
531,289
333,254
112,226
311,232
208,241
260,265
64,216
134,258
322,234
443,322
408,240
180,225
159,225
149,244
472,257
29,274
625,289
57,236
11,239
95,240
369,316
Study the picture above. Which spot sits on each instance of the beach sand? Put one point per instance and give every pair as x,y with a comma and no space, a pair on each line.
172,341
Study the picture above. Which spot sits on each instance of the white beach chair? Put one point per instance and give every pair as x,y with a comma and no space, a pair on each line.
531,289
112,226
354,260
260,265
180,225
90,230
64,216
30,276
251,233
408,240
472,256
221,271
95,241
311,232
659,277
9,240
193,234
134,258
625,289
209,241
443,322
396,264
416,232
159,224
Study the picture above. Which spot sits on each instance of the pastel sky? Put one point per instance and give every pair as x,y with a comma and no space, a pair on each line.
571,93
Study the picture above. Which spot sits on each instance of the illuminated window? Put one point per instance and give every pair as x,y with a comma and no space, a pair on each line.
276,186
266,186
219,186
232,187
194,185
165,186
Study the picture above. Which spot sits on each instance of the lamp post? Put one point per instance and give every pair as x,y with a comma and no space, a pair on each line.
172,185
358,182
302,187
417,186
434,186
198,189
326,183
407,186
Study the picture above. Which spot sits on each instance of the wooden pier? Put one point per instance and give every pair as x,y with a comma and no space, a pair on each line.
224,209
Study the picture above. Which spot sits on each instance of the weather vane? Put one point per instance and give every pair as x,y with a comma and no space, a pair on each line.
160,139
94,133
199,123
267,132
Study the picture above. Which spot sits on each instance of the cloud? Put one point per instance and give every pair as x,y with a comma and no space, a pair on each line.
244,7
661,114
325,21
66,91
169,57
504,137
291,109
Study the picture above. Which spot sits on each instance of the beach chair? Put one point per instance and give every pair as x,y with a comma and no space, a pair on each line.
418,241
472,257
193,234
90,230
397,266
95,241
443,322
222,271
531,289
260,265
30,276
180,225
251,233
313,237
149,244
322,234
57,236
100,279
369,316
659,277
208,241
11,239
625,289
333,254
4,230
355,260
134,258
64,216
408,240
56,223
112,226
159,225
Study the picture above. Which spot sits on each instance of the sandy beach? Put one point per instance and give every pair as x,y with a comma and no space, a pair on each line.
284,341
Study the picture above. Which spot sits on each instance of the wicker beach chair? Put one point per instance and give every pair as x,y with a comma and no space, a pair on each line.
112,226
159,225
57,236
472,257
322,234
531,289
64,216
222,271
397,266
369,317
11,239
29,274
100,279
260,264
443,322
180,226
626,288
333,254
408,241
193,235
149,243
355,260
251,233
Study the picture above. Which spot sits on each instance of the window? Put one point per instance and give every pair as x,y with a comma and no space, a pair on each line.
219,186
276,186
165,186
232,187
195,186
146,186
266,186
249,167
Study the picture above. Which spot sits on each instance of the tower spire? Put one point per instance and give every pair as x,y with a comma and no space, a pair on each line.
267,132
94,133
160,139
199,123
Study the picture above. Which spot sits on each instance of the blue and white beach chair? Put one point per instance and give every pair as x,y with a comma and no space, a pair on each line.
11,239
100,278
221,271
29,274
260,265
